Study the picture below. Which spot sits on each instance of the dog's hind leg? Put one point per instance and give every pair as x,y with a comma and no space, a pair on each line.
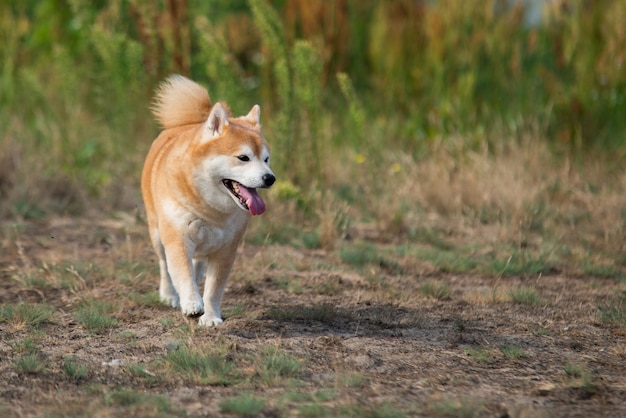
199,271
167,292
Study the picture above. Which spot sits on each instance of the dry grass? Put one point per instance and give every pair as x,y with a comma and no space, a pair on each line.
520,206
521,195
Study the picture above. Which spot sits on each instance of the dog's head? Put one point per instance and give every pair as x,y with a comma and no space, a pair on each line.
232,158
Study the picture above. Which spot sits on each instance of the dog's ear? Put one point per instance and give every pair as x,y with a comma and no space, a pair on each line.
217,121
254,115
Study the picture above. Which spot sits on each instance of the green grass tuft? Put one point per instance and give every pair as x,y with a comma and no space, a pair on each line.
459,408
27,345
234,311
202,368
386,410
137,370
481,355
360,255
244,405
525,295
351,380
582,379
312,410
524,262
31,363
573,370
74,370
146,299
136,403
448,261
26,314
274,365
436,290
614,312
512,352
95,315
288,284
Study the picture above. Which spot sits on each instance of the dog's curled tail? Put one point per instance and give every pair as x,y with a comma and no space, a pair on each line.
180,101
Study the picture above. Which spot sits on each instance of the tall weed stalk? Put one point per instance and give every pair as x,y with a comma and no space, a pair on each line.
297,74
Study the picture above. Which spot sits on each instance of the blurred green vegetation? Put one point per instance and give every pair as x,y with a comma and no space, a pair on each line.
334,78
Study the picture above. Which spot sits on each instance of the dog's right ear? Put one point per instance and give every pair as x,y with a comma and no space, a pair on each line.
216,123
254,115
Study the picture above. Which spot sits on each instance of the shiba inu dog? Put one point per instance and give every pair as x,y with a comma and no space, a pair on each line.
199,185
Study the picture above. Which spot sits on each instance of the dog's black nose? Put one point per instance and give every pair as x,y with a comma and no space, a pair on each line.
268,179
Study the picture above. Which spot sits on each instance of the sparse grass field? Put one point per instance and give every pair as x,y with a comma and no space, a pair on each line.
445,238
388,342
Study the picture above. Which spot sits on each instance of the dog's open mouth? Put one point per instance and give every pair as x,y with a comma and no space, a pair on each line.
247,198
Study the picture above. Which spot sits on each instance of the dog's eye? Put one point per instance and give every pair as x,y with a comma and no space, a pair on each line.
267,160
243,158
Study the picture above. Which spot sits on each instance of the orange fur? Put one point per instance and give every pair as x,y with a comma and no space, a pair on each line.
179,101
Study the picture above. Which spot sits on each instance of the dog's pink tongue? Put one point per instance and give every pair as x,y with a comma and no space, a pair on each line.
253,200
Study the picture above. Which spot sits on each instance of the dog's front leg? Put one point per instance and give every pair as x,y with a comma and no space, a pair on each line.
217,273
179,265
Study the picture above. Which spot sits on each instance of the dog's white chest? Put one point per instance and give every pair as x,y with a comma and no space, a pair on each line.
210,238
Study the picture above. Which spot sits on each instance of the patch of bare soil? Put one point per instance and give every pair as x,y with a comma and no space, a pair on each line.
476,352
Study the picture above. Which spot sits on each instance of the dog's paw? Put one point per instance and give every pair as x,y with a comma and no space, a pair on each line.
210,320
169,300
192,309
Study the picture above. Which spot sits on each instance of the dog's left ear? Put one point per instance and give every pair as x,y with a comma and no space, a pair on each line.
254,115
217,122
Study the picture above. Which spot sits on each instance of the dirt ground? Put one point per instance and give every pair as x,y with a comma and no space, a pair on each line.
474,352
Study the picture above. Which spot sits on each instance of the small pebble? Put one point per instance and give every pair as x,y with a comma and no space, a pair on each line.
173,346
113,363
